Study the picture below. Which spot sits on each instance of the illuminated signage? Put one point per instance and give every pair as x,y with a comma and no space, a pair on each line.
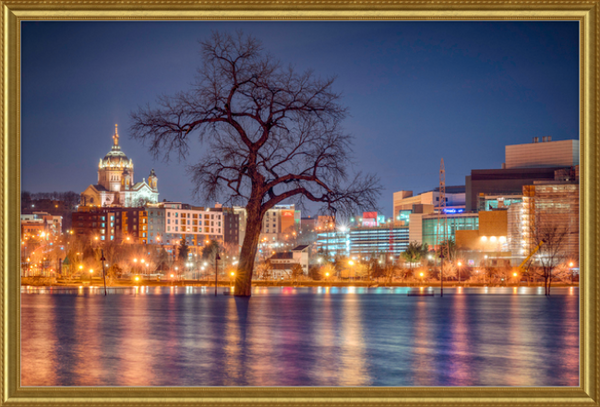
454,210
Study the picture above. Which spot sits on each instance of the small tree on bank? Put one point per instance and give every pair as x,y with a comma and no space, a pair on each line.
273,134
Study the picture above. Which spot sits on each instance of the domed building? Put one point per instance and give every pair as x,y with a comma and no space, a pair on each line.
115,185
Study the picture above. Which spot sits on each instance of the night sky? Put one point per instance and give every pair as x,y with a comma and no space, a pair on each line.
416,92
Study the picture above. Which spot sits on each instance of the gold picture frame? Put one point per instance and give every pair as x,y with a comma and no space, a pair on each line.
13,12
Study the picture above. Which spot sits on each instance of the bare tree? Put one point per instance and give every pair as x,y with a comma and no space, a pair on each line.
265,269
297,271
552,252
274,134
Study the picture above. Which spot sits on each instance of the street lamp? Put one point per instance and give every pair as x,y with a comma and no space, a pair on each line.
459,265
571,264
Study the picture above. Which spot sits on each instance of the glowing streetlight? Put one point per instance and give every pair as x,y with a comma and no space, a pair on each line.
350,262
232,274
135,260
571,264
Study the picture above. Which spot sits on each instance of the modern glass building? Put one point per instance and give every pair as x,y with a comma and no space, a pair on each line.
432,229
370,241
334,243
364,241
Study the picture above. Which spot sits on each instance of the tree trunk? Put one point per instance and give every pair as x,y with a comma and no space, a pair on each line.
243,280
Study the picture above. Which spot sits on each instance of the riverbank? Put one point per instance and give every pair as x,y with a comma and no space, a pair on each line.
47,282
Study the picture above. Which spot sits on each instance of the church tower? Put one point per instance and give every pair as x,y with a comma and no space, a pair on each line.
115,171
153,180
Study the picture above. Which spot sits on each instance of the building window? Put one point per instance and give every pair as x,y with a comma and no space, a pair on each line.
176,229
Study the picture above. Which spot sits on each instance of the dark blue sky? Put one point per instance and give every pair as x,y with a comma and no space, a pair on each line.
416,92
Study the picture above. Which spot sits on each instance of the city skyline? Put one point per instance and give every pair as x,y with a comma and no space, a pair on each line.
411,73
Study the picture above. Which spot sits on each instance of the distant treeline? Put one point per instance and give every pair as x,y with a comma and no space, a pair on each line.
70,198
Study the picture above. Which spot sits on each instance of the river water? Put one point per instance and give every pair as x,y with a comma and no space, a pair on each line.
284,336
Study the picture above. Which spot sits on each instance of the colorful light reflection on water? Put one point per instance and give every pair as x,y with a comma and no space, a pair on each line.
290,336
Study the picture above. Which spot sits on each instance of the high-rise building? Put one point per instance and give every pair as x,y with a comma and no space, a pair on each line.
169,222
524,164
547,153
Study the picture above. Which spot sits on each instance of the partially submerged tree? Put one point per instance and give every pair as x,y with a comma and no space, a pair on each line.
552,252
269,132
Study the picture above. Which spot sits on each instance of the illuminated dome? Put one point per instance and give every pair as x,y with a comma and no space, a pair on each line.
115,157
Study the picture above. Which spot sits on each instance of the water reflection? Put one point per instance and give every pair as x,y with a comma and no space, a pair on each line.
320,336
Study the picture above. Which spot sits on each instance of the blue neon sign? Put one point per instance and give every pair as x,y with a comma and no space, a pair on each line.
454,210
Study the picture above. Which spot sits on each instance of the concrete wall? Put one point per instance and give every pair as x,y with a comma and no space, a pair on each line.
493,223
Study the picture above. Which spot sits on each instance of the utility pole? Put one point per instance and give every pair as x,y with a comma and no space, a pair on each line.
442,223
442,275
103,259
217,258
